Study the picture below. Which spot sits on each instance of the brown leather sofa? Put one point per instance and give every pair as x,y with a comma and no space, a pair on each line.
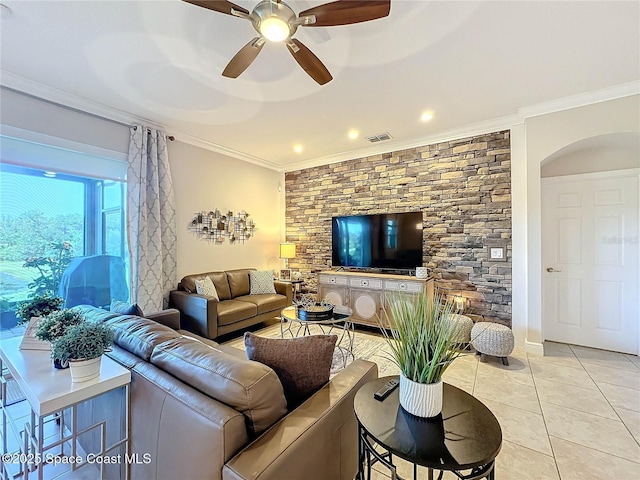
236,308
203,411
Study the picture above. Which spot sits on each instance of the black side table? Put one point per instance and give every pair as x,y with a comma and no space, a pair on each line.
465,436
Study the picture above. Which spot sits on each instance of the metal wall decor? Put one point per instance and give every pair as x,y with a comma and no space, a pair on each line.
216,227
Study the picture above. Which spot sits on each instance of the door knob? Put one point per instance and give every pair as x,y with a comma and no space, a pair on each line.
551,270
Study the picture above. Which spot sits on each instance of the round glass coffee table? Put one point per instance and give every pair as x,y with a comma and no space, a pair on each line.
464,439
294,326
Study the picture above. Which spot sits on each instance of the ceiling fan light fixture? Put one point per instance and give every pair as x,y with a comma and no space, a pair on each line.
274,29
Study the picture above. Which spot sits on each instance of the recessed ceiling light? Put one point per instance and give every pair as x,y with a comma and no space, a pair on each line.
353,134
297,148
426,116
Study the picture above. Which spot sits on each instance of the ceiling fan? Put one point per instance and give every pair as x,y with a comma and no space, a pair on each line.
275,21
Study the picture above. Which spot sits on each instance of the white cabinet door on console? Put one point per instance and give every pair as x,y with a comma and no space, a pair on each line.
335,295
333,289
366,306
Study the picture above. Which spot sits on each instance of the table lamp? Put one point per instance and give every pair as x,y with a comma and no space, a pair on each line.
287,251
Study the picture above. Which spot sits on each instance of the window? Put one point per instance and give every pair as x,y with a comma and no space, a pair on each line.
48,218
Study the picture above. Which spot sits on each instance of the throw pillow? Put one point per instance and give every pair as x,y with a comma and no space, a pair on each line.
302,364
261,282
206,287
124,308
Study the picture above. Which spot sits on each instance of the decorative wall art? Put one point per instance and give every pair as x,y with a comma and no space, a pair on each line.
216,227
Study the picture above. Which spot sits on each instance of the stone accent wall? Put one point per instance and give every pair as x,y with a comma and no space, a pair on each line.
463,188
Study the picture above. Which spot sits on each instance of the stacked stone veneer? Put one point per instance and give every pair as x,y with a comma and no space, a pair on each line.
463,188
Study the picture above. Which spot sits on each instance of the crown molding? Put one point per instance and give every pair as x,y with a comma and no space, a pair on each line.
214,147
471,130
66,100
82,105
580,100
488,126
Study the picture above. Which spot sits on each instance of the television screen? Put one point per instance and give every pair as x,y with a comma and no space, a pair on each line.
389,240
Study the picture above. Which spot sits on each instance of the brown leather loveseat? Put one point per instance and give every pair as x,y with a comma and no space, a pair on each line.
236,308
200,410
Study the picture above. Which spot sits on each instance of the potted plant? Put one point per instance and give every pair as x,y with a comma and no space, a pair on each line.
82,347
38,306
422,346
56,324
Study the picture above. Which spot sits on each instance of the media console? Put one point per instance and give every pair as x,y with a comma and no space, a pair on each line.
368,294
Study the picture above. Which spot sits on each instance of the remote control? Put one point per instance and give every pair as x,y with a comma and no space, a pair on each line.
384,392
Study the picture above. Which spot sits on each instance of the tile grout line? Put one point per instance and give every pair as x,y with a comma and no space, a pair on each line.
544,420
609,403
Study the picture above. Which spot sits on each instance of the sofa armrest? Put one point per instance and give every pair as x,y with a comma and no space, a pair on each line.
198,313
316,441
169,318
286,289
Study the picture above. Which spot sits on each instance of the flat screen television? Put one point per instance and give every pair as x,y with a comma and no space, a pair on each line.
383,241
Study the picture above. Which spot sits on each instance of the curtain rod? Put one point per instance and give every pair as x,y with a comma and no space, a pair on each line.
77,110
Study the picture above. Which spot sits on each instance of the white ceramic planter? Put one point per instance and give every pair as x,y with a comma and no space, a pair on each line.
420,399
85,370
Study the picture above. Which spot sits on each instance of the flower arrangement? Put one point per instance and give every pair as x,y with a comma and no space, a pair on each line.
84,341
56,324
38,306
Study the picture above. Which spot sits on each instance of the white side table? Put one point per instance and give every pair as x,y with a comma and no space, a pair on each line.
50,391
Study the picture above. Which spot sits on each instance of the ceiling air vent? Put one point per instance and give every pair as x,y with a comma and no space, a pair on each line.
379,138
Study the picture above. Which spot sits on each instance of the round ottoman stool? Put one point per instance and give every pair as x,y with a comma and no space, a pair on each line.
492,339
461,327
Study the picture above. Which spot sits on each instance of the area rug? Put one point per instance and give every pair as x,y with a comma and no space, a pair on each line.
366,345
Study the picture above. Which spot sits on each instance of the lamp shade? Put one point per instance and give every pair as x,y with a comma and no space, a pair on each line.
287,250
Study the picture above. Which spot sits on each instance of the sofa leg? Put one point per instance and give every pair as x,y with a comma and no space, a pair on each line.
477,352
483,358
505,361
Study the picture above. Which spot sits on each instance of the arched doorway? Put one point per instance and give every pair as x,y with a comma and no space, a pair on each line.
590,249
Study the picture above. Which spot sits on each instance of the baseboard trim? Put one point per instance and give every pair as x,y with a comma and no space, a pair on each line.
534,348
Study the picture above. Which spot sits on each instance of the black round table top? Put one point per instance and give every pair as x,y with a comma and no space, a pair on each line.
465,435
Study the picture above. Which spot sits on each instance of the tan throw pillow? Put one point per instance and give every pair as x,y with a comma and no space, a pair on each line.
302,364
206,287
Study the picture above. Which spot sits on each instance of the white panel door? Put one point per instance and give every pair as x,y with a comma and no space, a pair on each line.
590,260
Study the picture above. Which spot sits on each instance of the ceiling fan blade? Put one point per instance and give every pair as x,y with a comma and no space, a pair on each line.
309,62
222,6
241,61
345,12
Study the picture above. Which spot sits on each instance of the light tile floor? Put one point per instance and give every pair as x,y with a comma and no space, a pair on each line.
573,414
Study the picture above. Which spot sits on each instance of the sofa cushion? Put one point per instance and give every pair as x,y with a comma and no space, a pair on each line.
124,308
94,314
303,364
206,287
222,285
238,282
261,282
219,280
265,303
139,335
249,387
232,311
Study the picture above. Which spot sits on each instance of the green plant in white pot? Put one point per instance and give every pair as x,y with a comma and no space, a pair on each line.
422,347
82,347
38,306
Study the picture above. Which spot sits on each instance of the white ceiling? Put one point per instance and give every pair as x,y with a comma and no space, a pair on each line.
467,62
